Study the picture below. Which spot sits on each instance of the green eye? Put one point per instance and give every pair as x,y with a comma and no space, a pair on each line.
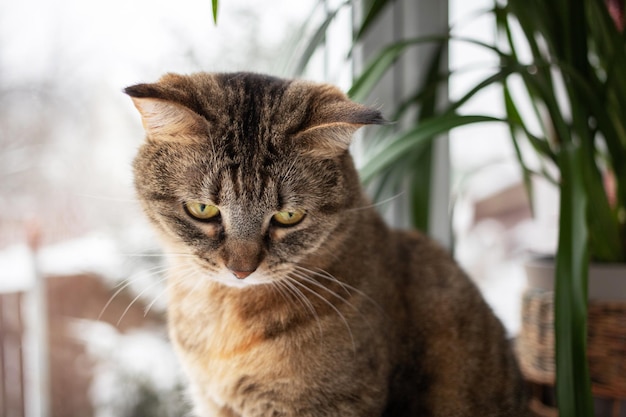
289,218
201,211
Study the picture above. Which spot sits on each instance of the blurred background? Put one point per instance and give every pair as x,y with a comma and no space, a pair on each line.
81,278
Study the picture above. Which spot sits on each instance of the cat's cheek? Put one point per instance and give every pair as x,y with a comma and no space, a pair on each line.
293,248
279,234
212,231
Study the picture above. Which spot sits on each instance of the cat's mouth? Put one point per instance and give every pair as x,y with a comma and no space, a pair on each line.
234,279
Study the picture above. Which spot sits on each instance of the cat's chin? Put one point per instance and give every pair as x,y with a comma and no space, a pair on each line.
228,279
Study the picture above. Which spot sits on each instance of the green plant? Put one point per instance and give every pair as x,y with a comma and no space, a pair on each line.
214,9
576,80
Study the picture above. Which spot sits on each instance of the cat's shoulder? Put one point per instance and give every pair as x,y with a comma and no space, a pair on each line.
427,263
418,246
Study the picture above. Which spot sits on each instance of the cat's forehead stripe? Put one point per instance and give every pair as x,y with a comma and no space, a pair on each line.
253,102
250,140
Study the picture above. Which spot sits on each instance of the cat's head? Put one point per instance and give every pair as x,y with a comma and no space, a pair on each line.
250,174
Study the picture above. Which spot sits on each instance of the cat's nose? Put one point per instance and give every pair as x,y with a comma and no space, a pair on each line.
242,257
241,274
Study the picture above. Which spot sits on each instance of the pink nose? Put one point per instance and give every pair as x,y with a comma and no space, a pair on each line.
241,274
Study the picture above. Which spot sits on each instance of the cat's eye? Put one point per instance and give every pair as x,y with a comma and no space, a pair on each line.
288,217
201,211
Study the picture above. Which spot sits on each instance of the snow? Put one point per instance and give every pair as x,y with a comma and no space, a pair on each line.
94,254
17,266
129,366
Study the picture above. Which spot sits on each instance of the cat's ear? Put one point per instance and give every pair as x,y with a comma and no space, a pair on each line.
333,122
163,119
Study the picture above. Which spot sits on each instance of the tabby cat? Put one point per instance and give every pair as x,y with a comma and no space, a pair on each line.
288,295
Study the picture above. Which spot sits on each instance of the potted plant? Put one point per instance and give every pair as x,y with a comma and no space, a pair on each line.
576,80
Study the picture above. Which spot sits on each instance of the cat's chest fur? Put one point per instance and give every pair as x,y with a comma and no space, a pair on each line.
218,347
240,348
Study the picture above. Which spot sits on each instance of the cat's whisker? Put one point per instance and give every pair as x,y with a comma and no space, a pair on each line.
304,301
347,287
275,286
378,203
346,301
196,275
191,270
155,299
106,198
160,270
332,306
326,275
279,286
289,171
311,281
298,296
324,251
159,255
184,269
115,294
149,273
134,300
128,282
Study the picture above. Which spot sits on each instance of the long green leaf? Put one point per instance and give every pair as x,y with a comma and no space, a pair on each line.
610,50
604,226
516,121
542,90
376,7
317,40
421,176
377,67
375,70
214,7
420,185
417,137
608,46
538,78
498,77
504,29
572,261
388,183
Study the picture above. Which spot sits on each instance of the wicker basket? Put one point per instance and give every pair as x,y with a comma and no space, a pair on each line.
606,348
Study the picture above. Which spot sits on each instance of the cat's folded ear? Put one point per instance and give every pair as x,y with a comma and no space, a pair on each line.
333,121
165,119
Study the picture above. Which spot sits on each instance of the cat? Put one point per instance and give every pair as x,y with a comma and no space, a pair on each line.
288,294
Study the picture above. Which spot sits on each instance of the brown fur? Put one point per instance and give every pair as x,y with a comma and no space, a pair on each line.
341,316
